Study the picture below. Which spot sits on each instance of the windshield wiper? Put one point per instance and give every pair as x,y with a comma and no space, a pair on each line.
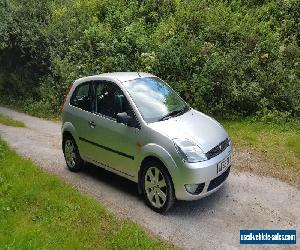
175,113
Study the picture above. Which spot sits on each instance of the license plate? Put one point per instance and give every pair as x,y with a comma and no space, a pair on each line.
223,165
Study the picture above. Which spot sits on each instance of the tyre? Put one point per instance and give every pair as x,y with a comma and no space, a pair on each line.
72,156
157,187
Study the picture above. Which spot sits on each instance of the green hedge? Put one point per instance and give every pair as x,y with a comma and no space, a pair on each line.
228,58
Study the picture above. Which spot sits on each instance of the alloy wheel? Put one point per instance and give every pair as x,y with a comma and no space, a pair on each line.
70,153
155,187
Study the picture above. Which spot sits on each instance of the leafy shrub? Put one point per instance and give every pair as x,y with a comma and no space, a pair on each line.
224,57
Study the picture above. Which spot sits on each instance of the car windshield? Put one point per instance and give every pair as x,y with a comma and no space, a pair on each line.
155,99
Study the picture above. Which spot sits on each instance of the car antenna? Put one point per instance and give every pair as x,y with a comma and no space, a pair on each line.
138,74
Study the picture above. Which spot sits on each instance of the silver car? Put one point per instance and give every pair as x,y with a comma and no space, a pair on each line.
135,125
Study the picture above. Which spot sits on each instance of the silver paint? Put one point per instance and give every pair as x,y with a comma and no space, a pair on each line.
155,140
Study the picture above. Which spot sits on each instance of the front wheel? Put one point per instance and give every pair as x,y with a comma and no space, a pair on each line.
72,156
157,187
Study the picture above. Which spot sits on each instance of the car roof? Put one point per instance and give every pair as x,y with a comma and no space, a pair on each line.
120,76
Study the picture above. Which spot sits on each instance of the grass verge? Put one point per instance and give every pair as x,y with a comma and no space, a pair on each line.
39,211
279,143
5,120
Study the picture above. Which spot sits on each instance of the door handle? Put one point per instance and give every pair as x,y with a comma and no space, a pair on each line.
92,124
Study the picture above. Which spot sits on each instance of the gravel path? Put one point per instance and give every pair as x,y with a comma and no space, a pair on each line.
245,201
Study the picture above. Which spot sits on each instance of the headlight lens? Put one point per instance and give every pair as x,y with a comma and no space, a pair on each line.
189,151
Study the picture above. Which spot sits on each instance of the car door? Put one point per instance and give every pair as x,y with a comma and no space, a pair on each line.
81,115
116,143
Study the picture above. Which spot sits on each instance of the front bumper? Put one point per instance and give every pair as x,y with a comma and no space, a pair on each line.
200,172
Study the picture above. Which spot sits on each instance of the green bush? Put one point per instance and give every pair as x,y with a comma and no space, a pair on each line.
229,58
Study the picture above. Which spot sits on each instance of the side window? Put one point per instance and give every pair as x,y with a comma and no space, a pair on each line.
110,100
81,97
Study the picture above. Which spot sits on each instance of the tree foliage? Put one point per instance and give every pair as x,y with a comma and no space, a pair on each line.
229,57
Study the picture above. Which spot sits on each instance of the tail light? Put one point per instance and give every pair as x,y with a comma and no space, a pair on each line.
65,97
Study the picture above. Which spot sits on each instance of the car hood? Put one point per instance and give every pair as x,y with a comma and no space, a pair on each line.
195,126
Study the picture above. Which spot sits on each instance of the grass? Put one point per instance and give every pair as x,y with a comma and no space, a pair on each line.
39,211
10,122
280,143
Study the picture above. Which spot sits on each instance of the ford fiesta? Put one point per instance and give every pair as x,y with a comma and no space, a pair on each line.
135,125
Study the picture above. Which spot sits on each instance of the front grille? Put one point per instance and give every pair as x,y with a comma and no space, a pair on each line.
217,149
218,180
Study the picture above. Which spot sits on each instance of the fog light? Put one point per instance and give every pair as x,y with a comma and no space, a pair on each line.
195,188
191,188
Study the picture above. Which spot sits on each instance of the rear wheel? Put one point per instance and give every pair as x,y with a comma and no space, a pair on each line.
157,187
72,156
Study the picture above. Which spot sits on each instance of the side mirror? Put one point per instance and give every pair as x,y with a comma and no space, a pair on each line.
124,118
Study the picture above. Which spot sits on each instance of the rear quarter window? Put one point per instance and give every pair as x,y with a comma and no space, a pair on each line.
81,97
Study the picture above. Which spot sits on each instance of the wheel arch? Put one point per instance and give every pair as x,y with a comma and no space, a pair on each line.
69,129
155,157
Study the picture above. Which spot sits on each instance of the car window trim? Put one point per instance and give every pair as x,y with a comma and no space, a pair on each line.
79,85
92,85
93,99
138,125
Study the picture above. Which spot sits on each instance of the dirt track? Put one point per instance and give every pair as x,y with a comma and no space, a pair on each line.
246,201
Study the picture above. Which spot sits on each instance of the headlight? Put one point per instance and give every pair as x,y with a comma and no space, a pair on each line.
189,151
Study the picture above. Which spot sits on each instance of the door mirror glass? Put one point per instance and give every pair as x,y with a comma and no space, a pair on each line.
124,118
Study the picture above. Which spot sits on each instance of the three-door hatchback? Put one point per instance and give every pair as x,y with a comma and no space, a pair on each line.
135,125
